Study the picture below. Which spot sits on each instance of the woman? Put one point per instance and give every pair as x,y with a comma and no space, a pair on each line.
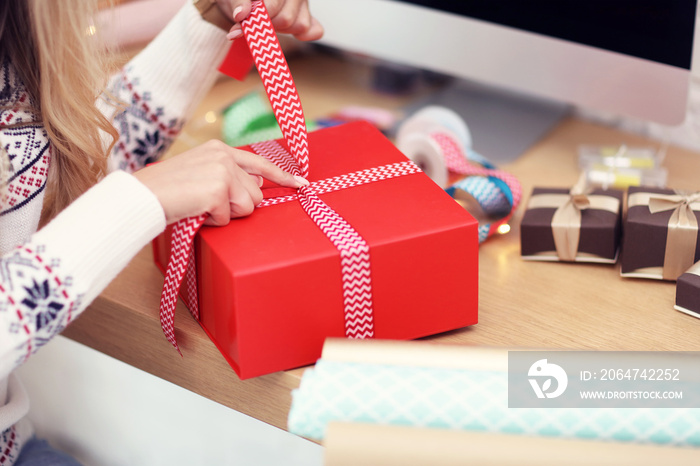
76,203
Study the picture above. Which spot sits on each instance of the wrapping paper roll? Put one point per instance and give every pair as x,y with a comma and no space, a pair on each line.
350,444
415,354
469,399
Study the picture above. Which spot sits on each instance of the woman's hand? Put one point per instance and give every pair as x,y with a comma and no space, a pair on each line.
288,16
215,179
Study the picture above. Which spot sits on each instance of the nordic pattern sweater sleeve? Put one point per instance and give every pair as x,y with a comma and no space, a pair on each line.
47,278
162,85
47,282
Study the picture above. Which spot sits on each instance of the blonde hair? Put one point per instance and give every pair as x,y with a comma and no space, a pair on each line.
64,70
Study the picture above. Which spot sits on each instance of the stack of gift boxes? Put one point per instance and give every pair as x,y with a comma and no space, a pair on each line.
656,236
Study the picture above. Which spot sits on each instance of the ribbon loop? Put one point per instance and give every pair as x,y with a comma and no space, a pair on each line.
663,202
580,201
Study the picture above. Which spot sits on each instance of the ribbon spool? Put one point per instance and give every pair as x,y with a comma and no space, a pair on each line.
432,116
439,142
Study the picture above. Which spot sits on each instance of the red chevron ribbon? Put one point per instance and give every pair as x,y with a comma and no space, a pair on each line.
277,154
353,249
278,83
354,264
180,263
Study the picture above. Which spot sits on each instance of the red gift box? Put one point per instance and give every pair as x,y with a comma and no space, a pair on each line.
270,288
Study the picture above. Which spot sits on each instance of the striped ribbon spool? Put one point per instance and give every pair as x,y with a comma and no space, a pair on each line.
497,192
442,131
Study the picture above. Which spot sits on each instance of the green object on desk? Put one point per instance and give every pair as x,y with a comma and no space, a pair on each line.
250,119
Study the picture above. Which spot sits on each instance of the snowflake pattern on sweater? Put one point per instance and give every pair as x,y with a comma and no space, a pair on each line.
9,446
144,128
46,277
36,302
25,142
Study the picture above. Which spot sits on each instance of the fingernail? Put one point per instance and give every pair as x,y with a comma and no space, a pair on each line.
260,181
302,181
236,12
234,34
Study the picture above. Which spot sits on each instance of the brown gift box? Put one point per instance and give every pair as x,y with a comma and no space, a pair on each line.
599,233
645,252
688,291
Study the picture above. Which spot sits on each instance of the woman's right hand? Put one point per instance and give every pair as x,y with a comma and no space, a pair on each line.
287,16
215,179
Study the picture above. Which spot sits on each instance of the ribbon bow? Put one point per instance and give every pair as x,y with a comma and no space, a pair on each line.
566,221
682,230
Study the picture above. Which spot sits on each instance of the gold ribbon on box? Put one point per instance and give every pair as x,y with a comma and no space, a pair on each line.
694,269
682,228
566,221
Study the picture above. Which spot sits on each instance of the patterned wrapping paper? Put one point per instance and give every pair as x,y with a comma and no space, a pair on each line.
466,400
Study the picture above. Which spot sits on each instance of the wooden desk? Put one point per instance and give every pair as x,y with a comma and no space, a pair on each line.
522,304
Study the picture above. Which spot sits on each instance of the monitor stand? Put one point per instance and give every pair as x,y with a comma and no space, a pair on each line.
503,124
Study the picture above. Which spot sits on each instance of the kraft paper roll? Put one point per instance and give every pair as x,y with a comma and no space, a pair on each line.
415,354
351,444
398,387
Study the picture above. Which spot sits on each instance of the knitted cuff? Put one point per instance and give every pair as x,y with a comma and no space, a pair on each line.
100,232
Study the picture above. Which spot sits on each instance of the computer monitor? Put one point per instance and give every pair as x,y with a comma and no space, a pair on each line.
625,57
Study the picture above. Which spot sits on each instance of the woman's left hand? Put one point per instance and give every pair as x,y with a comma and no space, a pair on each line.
288,16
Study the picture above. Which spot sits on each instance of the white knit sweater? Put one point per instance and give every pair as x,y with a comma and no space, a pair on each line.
48,277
